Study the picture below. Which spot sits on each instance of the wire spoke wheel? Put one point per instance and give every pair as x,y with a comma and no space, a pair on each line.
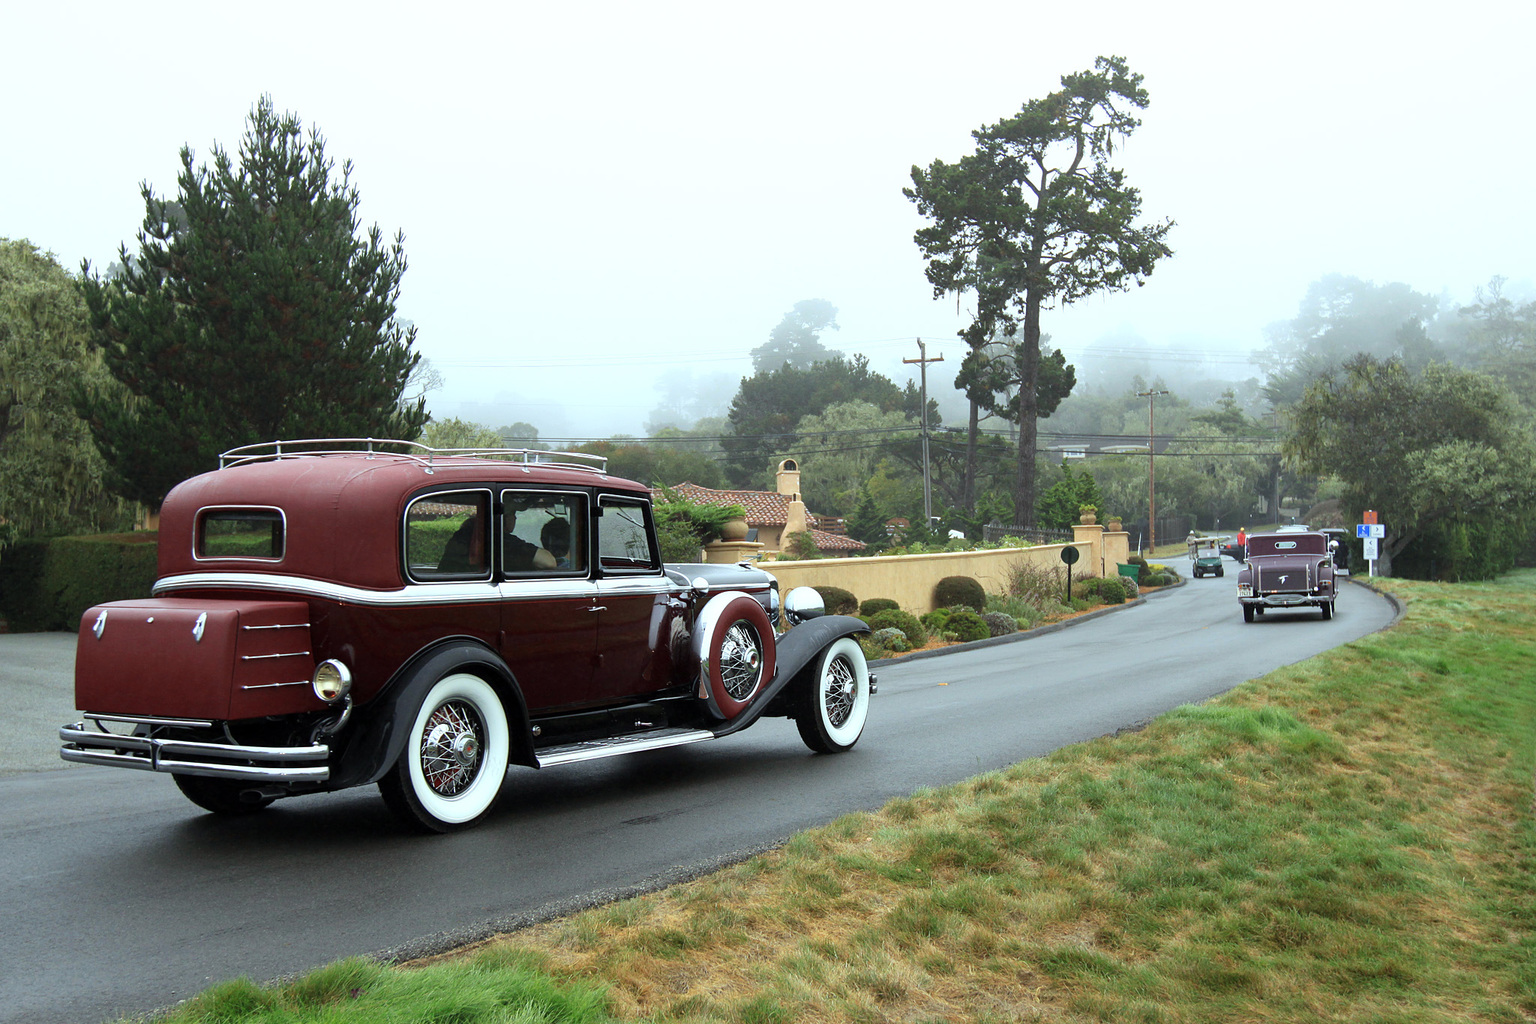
455,757
741,661
451,748
836,701
840,691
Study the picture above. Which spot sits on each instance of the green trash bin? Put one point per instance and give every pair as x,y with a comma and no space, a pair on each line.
1133,571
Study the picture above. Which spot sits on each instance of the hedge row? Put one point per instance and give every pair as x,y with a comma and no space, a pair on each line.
48,584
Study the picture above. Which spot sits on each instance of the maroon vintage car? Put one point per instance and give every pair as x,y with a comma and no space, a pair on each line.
332,614
1290,569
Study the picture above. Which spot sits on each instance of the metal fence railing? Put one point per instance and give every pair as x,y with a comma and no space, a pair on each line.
994,532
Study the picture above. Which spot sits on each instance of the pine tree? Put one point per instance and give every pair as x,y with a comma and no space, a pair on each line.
865,522
251,312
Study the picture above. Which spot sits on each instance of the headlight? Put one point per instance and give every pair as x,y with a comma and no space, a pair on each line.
803,603
332,681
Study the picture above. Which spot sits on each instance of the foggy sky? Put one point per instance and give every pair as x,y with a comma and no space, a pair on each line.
597,195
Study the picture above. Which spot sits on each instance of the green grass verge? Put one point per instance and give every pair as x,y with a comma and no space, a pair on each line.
1348,839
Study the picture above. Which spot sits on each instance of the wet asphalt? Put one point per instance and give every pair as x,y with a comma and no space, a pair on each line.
37,695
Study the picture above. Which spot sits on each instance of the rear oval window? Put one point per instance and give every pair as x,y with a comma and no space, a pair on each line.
241,533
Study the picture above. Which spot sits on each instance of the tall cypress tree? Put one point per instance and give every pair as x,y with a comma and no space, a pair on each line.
252,311
1037,216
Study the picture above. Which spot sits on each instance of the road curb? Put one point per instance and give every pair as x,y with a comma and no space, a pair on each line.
1029,634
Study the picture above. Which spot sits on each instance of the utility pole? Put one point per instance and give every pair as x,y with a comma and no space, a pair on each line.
922,362
1151,397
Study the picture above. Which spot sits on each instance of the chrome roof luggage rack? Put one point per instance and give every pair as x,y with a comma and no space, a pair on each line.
413,451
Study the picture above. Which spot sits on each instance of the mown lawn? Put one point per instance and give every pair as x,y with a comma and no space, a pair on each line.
1349,839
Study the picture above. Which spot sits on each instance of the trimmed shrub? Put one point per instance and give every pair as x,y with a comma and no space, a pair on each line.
1027,615
837,600
48,584
999,624
934,621
967,626
895,618
1112,590
963,591
876,605
891,639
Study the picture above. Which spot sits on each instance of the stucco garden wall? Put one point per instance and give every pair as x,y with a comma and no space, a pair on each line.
909,579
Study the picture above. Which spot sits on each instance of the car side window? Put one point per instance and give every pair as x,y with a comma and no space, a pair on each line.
624,537
544,533
447,536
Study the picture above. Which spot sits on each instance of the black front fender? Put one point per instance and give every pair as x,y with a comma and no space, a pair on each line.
796,649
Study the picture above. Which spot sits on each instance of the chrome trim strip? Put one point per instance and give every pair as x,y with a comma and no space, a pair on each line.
190,723
619,586
282,625
264,657
404,597
273,686
595,749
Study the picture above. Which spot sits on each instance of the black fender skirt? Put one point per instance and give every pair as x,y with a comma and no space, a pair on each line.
377,738
795,650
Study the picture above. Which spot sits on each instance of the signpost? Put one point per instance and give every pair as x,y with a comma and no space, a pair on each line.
1070,556
1370,533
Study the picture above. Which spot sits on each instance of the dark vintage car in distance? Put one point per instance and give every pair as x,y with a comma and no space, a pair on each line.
340,613
1292,569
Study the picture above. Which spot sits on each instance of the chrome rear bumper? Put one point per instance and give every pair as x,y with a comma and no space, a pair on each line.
83,745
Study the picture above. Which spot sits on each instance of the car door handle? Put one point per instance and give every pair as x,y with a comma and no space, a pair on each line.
598,608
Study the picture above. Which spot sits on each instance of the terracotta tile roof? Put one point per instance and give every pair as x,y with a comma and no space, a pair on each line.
764,508
836,541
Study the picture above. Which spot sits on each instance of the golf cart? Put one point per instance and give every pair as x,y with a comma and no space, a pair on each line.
1206,555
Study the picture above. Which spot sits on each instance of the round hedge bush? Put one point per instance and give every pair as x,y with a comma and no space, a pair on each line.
967,626
962,591
895,618
837,600
891,639
1000,623
876,605
934,621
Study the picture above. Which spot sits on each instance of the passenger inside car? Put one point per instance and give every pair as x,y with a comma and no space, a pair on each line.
556,537
517,554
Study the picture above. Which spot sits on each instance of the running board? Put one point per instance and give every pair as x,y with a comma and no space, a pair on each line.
634,743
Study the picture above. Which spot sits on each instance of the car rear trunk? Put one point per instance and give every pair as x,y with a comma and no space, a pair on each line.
1284,575
192,658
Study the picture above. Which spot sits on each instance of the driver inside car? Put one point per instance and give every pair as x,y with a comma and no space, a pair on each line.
518,555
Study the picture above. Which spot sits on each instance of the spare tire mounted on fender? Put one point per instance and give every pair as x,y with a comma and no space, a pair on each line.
734,649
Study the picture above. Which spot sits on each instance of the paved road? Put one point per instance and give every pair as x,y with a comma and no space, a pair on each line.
128,898
36,688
